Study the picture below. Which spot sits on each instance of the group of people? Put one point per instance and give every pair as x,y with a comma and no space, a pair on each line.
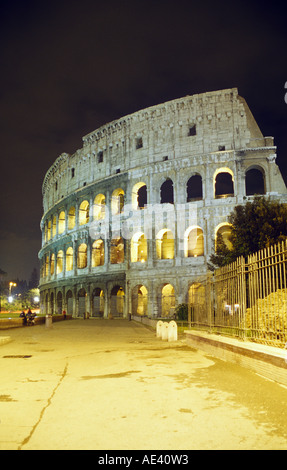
29,317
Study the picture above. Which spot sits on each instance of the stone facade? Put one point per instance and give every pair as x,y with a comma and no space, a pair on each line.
131,218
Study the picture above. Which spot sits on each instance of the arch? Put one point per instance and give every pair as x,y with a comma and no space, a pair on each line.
49,224
82,295
82,256
71,218
60,257
165,244
117,301
98,302
98,253
99,207
70,302
167,301
193,242
139,196
117,252
139,300
223,179
52,264
47,266
255,181
117,203
69,259
194,188
138,248
61,222
197,302
224,229
59,302
84,210
54,226
166,192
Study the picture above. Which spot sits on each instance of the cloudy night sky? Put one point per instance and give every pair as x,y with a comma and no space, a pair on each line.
68,67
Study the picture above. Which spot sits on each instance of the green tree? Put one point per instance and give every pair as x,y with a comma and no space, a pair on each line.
255,225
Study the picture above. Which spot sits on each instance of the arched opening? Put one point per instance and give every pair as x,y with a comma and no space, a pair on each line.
59,303
224,230
99,207
138,248
117,204
98,302
71,218
52,264
82,302
84,213
167,301
49,230
98,253
117,253
193,242
47,266
255,181
197,302
61,222
166,192
165,244
69,259
194,188
54,226
60,257
70,302
223,183
139,300
117,301
139,196
52,303
82,256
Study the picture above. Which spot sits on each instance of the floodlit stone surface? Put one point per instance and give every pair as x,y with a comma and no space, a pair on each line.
130,219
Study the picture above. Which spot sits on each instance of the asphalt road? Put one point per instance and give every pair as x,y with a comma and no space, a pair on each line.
112,385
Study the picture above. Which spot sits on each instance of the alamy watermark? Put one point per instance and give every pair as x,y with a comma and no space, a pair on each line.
176,220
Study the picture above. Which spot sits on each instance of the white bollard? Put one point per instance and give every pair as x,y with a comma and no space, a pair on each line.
159,328
164,331
172,331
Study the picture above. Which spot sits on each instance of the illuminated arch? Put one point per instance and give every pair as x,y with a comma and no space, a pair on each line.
98,253
167,301
138,248
61,222
117,253
71,218
223,183
84,210
117,204
165,244
69,259
224,229
139,196
99,207
82,256
193,242
60,257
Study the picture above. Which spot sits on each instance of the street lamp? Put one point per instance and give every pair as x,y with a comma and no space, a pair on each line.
11,284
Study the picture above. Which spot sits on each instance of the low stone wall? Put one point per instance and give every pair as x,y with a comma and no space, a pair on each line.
8,323
267,361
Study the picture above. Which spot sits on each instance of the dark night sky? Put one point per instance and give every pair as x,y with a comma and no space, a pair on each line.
68,67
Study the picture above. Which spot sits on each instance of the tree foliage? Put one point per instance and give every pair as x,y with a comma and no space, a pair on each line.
254,225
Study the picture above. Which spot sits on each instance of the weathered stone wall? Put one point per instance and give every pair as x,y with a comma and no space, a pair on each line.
213,135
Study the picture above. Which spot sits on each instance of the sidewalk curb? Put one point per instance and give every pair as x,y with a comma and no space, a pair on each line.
268,361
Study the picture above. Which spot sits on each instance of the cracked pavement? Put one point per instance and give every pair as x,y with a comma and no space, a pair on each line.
112,385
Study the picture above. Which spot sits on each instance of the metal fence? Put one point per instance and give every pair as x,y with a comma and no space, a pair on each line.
247,298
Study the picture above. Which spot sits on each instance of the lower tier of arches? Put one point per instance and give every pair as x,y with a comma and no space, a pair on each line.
118,297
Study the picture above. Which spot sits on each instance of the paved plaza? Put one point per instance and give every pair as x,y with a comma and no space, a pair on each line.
112,385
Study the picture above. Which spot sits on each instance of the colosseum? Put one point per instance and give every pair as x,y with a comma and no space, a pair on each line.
131,219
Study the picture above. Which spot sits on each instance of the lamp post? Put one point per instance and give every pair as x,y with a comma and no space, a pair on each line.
11,284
